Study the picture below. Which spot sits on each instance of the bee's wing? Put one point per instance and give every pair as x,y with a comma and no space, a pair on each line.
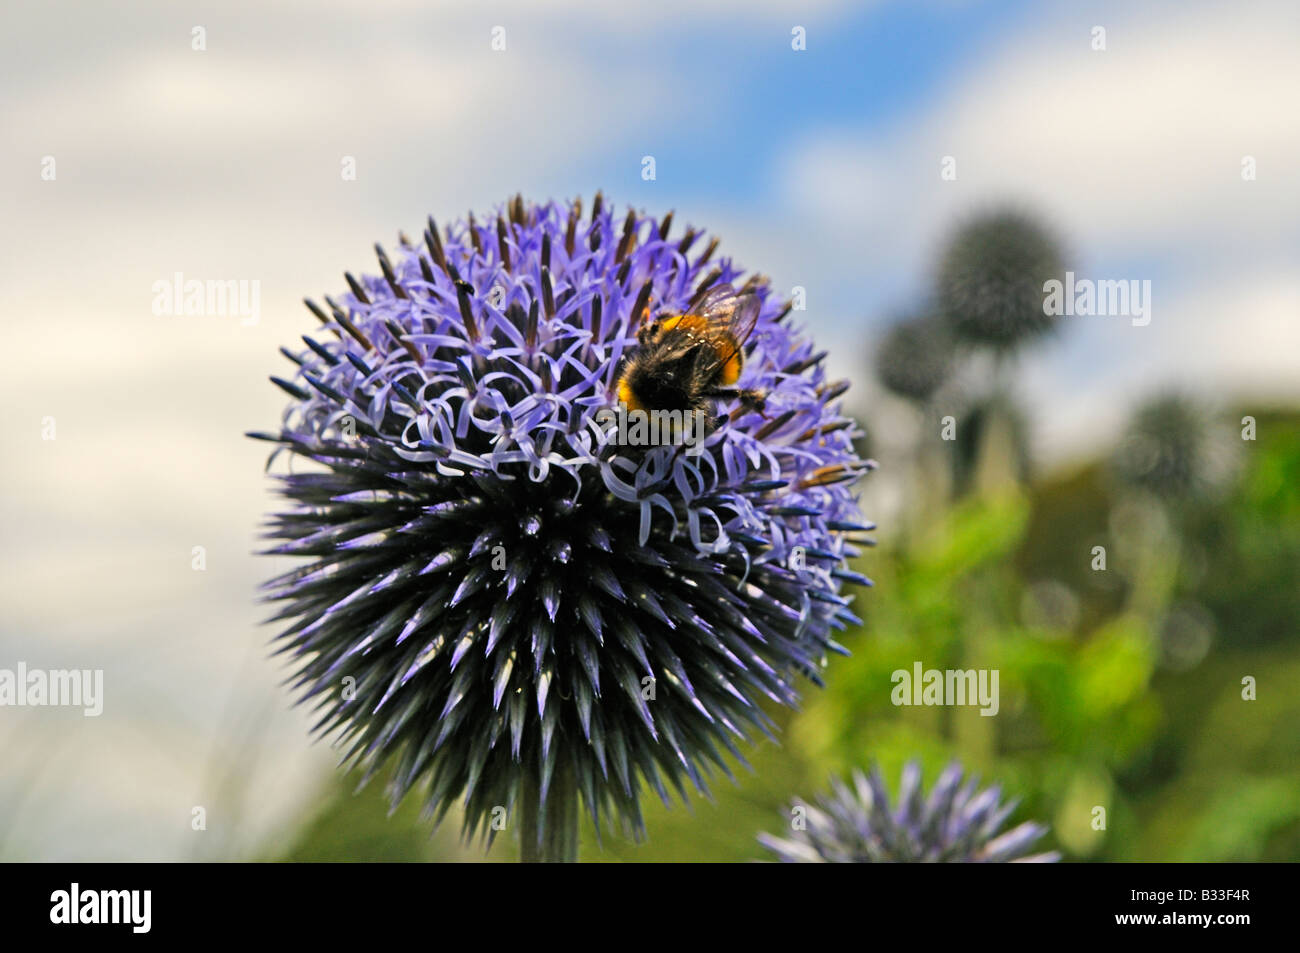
725,309
715,302
744,315
737,317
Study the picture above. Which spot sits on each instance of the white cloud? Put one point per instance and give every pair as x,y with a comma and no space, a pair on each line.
1133,155
1136,145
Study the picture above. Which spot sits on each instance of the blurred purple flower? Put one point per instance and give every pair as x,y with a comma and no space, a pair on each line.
955,824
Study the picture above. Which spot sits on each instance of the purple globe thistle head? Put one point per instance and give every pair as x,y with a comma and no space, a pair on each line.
915,357
990,279
956,823
504,604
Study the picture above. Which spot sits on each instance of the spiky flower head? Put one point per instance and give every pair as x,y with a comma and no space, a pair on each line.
915,357
990,279
504,604
1175,449
956,823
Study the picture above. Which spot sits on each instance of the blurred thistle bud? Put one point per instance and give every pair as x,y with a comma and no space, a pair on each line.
1175,449
915,358
956,824
990,279
506,605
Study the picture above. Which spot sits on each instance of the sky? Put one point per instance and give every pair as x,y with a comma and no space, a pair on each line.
819,167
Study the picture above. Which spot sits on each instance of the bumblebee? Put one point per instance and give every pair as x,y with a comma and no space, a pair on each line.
685,361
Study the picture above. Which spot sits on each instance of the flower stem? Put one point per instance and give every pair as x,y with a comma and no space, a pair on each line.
549,834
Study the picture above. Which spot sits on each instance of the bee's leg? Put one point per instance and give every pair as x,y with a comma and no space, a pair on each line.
752,399
646,325
755,399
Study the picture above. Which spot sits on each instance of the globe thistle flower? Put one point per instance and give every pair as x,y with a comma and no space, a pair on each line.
1174,449
956,823
915,358
990,280
506,606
